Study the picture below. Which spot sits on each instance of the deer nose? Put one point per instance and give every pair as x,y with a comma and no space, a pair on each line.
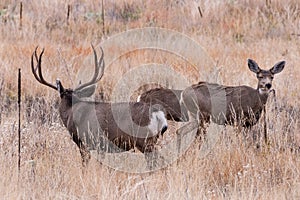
268,85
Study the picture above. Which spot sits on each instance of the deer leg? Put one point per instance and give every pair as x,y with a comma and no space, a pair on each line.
178,142
85,154
256,134
202,130
203,122
195,117
265,127
151,159
151,155
275,100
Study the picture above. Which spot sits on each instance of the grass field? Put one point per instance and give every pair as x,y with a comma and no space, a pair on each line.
229,32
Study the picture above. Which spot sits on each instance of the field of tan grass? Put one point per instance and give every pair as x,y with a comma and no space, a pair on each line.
229,33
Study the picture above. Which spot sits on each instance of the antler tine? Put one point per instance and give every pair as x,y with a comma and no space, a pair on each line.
99,65
38,67
32,65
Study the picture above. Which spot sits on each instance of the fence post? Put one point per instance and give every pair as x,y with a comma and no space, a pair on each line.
19,122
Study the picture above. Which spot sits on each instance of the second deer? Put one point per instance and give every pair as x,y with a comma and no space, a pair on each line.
240,105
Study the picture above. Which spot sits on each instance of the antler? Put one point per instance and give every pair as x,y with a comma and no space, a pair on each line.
99,70
39,77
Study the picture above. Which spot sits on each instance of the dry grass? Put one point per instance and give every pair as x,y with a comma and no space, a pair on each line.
229,31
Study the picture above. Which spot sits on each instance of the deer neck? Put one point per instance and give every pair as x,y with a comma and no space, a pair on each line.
263,96
65,109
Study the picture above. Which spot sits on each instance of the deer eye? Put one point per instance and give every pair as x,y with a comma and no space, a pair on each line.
272,77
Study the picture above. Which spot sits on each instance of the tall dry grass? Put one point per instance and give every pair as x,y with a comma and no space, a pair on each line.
230,32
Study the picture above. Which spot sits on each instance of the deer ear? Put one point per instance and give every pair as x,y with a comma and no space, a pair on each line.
278,67
86,91
253,66
59,86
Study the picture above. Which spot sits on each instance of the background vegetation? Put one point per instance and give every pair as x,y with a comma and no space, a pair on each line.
230,31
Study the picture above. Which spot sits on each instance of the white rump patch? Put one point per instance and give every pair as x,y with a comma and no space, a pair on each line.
138,99
157,122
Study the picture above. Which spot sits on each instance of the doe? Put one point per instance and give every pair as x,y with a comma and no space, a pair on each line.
240,105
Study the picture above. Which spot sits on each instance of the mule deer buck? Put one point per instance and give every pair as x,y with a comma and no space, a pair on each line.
108,127
169,99
241,105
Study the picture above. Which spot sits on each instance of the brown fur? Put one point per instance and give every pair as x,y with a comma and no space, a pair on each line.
241,105
169,99
225,104
102,126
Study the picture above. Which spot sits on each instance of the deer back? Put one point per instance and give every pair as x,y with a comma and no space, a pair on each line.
169,99
223,103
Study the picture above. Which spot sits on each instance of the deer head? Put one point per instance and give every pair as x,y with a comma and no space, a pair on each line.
83,90
265,77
